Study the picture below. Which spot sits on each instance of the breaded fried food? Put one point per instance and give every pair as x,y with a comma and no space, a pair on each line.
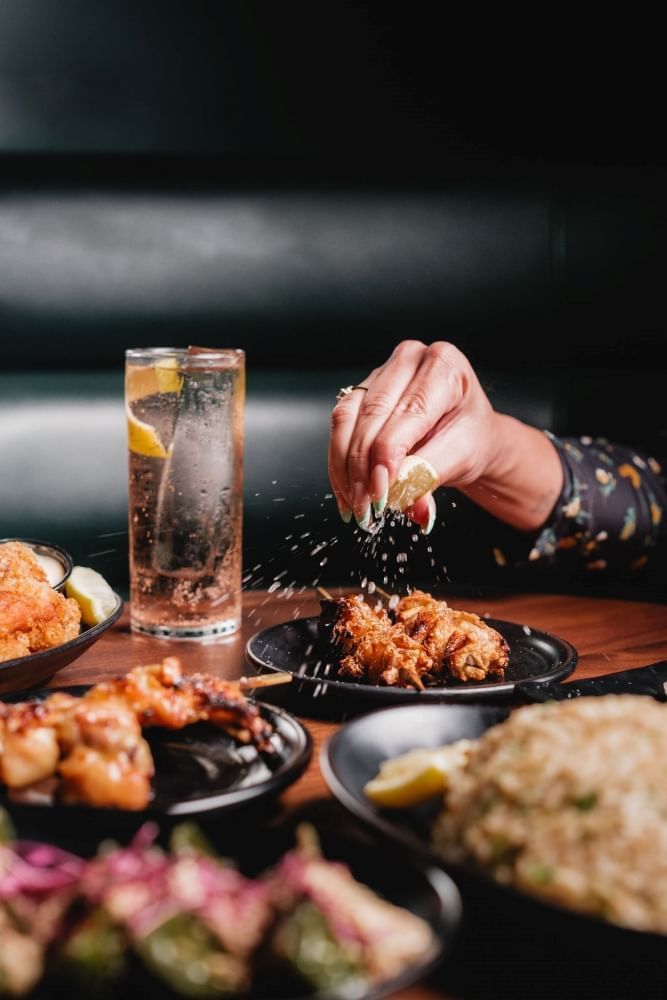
458,642
33,616
420,644
374,648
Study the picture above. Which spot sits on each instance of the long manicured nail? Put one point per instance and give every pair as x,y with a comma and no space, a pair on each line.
379,488
361,506
364,520
345,514
428,527
379,505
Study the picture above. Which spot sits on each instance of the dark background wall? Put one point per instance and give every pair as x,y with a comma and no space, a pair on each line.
382,83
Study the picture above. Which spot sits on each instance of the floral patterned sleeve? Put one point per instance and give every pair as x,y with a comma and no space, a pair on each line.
611,511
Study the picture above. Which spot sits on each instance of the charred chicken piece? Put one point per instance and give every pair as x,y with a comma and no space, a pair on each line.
423,643
374,648
91,749
458,642
161,695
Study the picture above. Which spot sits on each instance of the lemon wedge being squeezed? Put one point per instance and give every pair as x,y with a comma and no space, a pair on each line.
415,477
92,593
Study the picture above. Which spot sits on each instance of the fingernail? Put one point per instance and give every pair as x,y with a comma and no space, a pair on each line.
379,505
379,488
345,514
428,527
361,505
365,519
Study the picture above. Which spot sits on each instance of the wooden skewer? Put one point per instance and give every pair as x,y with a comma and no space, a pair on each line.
378,590
265,680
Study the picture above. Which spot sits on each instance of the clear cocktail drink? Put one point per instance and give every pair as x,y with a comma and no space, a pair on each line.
185,440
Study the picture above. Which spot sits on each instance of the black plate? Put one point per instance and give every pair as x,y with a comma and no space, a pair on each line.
425,890
354,754
199,770
29,671
296,647
500,915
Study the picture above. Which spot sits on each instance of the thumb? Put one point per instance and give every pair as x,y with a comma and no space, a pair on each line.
423,513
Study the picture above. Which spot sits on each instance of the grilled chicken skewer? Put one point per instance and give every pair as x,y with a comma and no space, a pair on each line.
374,648
422,641
458,642
93,746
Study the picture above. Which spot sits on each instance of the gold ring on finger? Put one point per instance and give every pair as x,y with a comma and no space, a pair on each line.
347,389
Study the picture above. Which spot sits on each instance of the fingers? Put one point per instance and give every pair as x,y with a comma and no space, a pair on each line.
460,448
343,420
423,513
410,403
369,482
355,421
434,392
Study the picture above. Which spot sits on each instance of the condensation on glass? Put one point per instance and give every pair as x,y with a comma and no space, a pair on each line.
185,444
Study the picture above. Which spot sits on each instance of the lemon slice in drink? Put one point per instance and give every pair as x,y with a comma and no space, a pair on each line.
416,775
92,593
143,439
168,376
149,380
415,477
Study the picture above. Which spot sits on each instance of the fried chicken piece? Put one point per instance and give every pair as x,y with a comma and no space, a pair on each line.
375,648
33,616
458,642
18,563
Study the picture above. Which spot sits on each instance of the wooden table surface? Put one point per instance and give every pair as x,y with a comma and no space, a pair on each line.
610,635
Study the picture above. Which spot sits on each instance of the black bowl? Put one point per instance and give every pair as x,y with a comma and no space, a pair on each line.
32,670
424,890
547,946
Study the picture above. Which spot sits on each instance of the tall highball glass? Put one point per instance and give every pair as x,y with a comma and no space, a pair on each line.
185,440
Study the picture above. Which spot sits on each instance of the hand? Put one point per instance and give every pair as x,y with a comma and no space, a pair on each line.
426,399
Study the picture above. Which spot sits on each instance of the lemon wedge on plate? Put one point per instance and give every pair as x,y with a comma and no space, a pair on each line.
415,477
417,775
92,593
143,439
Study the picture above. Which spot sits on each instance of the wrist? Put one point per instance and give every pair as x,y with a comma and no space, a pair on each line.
523,476
504,437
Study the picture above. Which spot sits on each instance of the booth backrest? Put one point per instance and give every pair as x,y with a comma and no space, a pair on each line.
551,283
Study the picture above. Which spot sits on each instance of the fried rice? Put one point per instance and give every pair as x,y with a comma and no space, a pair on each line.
568,800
